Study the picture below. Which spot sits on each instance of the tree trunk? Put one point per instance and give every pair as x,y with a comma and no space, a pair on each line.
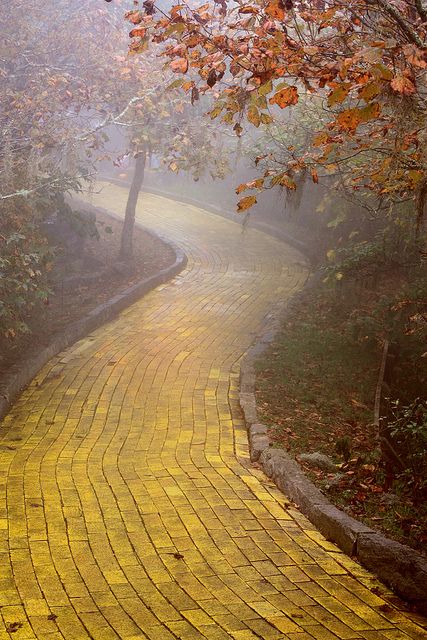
126,246
420,205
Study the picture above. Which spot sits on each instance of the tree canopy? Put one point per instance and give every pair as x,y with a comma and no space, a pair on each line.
363,60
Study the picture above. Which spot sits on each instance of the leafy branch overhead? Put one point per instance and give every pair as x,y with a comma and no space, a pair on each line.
365,60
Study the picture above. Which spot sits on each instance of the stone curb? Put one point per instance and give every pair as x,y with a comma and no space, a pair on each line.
397,565
21,375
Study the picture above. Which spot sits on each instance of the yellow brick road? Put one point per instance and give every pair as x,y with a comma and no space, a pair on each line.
128,506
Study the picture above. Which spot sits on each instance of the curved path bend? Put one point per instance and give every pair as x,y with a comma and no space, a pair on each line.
128,506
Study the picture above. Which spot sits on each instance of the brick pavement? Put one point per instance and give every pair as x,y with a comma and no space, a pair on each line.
128,505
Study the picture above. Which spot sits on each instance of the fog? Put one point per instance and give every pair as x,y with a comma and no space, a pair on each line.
154,357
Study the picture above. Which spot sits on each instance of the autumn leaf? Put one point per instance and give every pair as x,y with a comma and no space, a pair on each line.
138,32
285,97
382,72
286,181
266,118
248,9
275,9
320,139
370,112
403,85
241,187
265,88
350,119
176,9
253,116
135,17
180,65
175,84
238,129
246,203
186,86
415,177
339,94
214,113
212,78
370,91
258,183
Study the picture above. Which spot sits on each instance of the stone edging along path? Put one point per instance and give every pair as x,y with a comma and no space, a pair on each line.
21,375
397,565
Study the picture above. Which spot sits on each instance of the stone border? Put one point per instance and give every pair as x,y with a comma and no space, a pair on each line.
397,565
21,375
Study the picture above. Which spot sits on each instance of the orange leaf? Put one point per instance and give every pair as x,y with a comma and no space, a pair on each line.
134,16
176,9
285,97
275,9
338,95
180,65
246,203
349,119
320,138
248,9
258,183
286,181
403,85
138,32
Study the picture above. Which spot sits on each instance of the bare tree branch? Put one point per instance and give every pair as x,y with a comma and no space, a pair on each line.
24,193
111,119
404,25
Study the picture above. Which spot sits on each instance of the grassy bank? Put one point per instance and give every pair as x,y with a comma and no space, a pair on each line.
316,389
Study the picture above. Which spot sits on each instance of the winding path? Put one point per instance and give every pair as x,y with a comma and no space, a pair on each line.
128,506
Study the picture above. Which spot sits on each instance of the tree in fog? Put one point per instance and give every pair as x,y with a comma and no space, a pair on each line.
61,65
161,124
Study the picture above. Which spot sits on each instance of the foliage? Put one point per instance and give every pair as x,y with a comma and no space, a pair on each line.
407,426
388,250
54,87
364,60
60,99
23,261
389,274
